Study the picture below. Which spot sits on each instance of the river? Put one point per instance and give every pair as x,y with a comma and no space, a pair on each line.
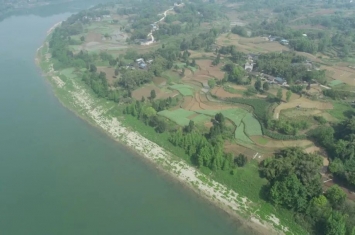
59,175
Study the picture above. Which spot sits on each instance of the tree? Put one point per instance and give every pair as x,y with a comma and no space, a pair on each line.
211,83
241,160
189,127
112,62
257,85
82,38
216,60
266,86
161,127
288,95
290,193
93,68
318,207
183,72
335,224
143,99
279,94
153,95
149,112
116,72
335,195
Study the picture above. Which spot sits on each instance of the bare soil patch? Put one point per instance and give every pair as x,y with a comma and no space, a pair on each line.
284,143
236,149
160,94
342,73
220,92
247,45
159,81
110,74
206,68
93,37
302,103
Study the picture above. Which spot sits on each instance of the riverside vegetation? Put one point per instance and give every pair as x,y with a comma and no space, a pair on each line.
189,93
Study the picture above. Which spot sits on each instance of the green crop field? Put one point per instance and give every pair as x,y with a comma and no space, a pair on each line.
179,116
185,90
201,118
252,125
235,115
241,136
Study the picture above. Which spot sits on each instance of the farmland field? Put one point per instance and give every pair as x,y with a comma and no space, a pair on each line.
179,116
185,90
241,136
252,126
235,115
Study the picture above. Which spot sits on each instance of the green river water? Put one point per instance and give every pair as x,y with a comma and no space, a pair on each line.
59,175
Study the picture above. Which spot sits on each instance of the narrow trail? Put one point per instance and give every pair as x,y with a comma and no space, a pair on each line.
150,34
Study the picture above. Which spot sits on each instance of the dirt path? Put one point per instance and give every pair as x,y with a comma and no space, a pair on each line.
150,34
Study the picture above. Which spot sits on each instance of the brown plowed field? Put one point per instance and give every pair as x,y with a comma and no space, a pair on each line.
206,68
220,92
110,74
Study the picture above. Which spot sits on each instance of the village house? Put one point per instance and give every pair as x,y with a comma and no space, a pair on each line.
249,66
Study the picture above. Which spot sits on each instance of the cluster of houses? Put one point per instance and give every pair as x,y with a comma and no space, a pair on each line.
249,66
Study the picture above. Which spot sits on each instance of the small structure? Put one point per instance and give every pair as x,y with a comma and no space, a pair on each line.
270,78
150,61
140,60
142,65
249,66
304,35
280,81
284,42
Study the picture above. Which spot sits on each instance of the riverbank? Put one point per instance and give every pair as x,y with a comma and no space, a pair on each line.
76,96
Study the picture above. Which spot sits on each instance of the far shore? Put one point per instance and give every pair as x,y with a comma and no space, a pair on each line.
216,193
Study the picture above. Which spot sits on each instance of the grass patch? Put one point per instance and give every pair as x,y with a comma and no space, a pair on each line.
335,83
341,110
261,140
232,90
185,90
171,76
208,112
180,65
201,118
68,73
